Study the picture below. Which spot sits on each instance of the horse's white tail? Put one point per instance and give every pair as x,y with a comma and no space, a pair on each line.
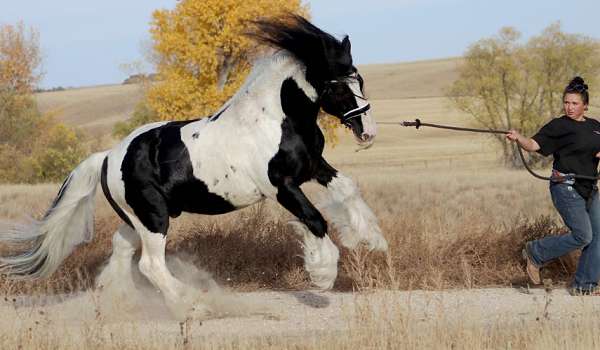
68,222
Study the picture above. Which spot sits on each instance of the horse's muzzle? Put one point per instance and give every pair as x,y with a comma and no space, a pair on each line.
365,140
365,137
369,130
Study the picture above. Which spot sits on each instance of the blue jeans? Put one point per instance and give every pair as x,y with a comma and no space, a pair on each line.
584,225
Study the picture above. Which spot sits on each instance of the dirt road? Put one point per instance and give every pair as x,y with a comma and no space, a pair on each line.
288,313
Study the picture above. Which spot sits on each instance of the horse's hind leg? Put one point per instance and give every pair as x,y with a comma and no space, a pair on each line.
179,297
117,275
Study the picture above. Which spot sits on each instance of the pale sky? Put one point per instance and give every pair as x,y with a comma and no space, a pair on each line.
85,42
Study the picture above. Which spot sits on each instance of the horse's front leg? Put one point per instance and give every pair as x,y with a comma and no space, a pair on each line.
347,211
320,254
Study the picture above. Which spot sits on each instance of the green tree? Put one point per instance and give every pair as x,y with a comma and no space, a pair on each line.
505,84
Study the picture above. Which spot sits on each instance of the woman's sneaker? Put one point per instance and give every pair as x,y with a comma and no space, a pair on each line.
533,271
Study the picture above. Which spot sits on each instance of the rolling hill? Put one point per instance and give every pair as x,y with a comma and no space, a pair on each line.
96,109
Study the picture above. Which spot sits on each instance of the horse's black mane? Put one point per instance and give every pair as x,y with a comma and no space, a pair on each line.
324,56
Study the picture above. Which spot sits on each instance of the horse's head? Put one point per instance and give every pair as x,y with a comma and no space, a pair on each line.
329,70
344,98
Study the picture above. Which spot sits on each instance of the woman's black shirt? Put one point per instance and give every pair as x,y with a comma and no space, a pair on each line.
574,145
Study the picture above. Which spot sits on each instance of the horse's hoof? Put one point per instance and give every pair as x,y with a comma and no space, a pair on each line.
324,278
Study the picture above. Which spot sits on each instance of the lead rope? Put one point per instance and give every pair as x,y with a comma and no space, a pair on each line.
417,124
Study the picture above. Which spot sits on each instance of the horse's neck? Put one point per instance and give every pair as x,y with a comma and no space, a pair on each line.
264,82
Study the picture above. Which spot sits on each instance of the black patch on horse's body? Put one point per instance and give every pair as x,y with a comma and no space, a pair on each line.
299,155
325,173
106,190
159,179
301,142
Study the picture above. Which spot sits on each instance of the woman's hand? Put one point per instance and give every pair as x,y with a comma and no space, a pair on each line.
526,143
514,135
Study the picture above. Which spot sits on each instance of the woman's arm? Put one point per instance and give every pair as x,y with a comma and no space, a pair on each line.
528,144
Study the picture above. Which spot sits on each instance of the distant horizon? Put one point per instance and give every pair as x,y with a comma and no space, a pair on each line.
85,45
49,89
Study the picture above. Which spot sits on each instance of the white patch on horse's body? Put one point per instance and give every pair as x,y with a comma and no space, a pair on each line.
231,154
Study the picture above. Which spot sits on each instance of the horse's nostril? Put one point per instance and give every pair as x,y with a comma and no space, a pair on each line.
366,137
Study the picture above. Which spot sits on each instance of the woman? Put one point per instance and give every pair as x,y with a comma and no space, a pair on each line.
574,141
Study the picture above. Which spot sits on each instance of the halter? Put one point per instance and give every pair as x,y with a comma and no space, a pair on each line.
353,113
356,112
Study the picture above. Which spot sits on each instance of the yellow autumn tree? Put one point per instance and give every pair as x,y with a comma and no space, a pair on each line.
33,147
20,58
203,56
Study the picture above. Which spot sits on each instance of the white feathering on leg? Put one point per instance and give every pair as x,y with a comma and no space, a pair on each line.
117,274
339,217
320,256
351,216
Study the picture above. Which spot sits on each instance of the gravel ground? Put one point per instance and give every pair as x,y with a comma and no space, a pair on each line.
294,313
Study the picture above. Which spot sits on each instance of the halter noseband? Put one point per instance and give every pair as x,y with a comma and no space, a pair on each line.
356,112
353,113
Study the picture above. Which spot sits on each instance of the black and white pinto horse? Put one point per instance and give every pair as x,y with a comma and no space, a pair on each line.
263,143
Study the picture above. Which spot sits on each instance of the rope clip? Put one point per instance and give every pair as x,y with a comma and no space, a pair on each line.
416,123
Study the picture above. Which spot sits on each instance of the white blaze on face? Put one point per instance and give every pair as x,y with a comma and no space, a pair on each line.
368,123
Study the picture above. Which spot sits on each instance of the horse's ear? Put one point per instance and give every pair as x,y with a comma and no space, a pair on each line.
346,44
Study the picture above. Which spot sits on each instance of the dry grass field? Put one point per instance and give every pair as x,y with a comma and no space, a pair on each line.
93,109
455,220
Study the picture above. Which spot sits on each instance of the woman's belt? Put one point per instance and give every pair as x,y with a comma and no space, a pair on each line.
562,178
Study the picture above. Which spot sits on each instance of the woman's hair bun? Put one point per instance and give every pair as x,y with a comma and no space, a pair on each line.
578,84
